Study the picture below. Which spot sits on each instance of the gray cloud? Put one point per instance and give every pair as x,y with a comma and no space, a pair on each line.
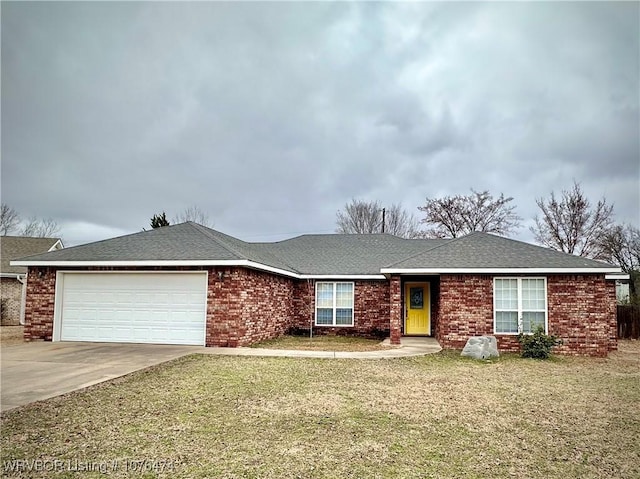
270,116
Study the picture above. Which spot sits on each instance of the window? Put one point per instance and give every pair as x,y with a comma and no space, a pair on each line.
519,304
334,304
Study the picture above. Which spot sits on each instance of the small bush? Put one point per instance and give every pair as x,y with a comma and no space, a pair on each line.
538,345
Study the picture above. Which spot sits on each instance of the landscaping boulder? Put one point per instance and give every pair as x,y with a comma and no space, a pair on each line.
481,347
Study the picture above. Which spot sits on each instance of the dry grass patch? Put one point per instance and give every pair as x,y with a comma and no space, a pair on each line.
323,343
437,416
11,335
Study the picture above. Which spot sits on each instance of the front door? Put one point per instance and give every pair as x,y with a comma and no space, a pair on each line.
417,308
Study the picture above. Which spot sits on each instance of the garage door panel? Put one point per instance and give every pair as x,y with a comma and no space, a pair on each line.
163,308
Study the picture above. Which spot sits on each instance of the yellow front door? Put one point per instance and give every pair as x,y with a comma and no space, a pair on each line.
417,307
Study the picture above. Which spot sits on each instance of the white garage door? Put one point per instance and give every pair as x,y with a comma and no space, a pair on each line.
162,308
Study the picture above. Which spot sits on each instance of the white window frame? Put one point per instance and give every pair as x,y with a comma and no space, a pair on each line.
520,308
335,285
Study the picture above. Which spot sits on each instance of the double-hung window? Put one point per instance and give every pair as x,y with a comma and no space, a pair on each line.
334,304
519,305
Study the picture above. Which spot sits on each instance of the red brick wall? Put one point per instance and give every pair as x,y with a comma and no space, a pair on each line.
247,306
396,307
371,309
303,304
243,307
38,314
435,305
466,309
581,311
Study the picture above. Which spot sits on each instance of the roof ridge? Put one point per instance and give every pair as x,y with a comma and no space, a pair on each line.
278,257
251,246
208,233
448,242
546,248
41,238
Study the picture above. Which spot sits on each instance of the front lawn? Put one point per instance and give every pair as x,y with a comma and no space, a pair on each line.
323,343
436,416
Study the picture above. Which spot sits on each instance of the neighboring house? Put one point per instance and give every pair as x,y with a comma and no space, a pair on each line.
13,278
187,284
622,292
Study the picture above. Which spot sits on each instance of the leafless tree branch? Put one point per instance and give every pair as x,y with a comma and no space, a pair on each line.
571,224
365,217
41,228
195,214
9,219
455,216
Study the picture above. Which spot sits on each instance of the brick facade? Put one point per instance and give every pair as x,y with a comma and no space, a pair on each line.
11,294
396,308
370,312
581,311
38,313
243,306
466,309
246,306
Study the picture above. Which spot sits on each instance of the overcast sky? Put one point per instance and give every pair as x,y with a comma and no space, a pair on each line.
271,116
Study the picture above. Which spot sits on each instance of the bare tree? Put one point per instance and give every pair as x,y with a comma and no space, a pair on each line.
9,219
368,217
400,222
621,245
195,214
41,228
571,224
455,216
360,217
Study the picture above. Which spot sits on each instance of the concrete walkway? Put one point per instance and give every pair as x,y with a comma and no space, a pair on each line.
410,346
41,370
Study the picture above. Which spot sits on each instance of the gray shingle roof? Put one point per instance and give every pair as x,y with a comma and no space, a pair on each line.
13,247
345,254
332,254
185,241
482,250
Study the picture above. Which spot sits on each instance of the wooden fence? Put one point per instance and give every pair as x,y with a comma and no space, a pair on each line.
628,322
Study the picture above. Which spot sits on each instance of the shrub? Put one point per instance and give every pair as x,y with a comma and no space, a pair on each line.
537,345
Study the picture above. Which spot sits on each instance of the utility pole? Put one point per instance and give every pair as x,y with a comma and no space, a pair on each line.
383,214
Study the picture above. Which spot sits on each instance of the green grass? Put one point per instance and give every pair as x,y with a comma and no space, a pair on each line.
436,416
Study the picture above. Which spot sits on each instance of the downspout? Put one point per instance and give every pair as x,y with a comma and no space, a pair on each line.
311,315
22,278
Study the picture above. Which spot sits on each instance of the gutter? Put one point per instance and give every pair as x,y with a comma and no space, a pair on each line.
23,296
244,263
583,270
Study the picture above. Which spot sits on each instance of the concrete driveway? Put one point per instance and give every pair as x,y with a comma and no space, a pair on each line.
40,370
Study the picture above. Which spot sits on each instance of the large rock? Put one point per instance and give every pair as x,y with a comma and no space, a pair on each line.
481,347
